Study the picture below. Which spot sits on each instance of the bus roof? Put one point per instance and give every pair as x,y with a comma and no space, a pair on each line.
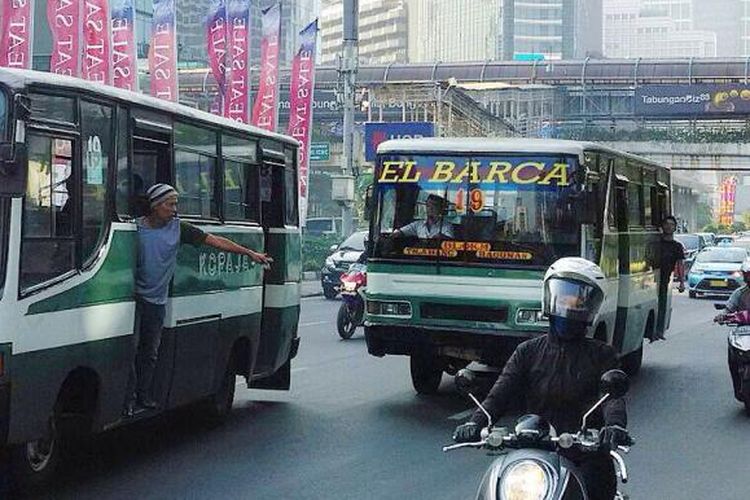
18,79
499,145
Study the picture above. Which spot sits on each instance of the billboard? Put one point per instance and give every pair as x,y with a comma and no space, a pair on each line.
377,132
692,100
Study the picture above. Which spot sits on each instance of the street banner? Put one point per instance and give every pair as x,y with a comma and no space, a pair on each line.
18,30
266,105
301,99
95,64
238,70
162,57
216,39
64,19
124,55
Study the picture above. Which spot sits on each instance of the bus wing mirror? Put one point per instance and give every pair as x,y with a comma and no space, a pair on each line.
369,194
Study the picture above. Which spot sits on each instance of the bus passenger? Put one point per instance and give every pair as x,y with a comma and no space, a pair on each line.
432,227
160,234
671,256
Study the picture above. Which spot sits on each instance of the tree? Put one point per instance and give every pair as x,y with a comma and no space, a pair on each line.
738,227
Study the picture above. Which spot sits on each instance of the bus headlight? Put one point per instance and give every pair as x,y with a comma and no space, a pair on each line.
388,308
529,316
525,480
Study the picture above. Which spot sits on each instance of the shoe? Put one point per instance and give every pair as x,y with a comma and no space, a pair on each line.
129,410
148,404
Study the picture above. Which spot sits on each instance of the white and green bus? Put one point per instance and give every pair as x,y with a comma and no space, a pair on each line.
75,159
466,285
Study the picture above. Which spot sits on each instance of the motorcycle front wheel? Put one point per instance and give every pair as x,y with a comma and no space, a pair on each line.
344,323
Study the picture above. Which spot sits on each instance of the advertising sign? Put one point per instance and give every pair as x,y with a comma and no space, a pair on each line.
238,69
63,17
301,99
124,57
216,39
265,108
162,57
377,132
96,59
320,151
692,100
18,28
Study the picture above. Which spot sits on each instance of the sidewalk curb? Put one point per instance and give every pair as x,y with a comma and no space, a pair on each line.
312,294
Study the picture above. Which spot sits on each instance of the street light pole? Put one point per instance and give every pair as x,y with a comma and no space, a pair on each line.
348,66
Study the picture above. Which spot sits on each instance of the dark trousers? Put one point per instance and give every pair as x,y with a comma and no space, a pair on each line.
599,473
149,321
661,314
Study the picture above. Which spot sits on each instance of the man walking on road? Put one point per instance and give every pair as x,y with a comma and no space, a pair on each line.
671,256
159,236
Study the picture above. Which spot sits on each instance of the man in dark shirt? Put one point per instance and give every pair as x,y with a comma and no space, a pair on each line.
671,257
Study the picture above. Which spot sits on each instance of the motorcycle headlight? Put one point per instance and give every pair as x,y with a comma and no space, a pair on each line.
329,262
525,480
349,286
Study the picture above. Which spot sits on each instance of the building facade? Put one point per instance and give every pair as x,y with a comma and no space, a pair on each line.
553,29
383,31
663,28
453,30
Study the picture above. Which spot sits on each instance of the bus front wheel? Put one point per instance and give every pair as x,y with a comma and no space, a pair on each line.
426,373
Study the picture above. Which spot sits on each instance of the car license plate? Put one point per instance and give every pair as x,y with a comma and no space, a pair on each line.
718,283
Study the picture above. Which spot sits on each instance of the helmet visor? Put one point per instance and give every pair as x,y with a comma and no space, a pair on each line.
572,299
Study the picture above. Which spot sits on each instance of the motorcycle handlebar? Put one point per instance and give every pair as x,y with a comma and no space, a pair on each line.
452,447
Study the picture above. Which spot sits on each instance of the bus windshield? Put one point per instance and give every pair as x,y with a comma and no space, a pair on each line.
500,210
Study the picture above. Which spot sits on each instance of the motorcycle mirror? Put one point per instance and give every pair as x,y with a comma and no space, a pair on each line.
615,383
486,413
720,306
333,248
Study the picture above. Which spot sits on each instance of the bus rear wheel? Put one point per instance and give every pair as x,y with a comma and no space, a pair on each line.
426,373
218,406
34,464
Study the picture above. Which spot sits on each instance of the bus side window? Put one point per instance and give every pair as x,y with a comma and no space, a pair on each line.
48,247
195,170
96,135
272,188
241,179
123,196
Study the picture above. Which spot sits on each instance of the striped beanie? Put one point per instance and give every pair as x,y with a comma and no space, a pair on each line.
158,193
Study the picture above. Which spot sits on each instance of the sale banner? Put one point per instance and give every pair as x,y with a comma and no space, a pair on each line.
124,54
18,30
238,70
266,105
162,57
95,64
216,40
64,20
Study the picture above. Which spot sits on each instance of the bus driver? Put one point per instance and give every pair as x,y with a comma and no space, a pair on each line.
433,226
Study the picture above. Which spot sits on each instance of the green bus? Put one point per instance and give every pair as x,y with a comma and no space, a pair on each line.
462,231
75,159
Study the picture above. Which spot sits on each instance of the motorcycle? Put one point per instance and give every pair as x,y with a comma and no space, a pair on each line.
738,345
352,311
536,466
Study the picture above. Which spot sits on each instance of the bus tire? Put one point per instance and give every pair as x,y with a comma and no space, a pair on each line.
631,362
426,374
218,406
34,464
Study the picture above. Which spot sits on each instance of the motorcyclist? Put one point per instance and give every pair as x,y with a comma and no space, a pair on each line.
558,375
740,298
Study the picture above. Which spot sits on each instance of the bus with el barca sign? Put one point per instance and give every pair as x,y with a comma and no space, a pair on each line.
76,158
462,231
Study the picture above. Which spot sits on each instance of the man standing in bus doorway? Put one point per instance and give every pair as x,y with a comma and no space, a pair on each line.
671,257
159,236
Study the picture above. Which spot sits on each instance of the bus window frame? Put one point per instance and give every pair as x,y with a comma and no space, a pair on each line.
254,165
218,187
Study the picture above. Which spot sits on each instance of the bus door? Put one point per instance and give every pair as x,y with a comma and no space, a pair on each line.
279,339
623,258
152,163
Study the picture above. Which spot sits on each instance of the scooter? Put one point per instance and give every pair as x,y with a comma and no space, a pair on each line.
352,311
536,467
738,345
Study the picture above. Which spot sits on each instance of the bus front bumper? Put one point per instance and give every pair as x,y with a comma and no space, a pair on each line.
490,347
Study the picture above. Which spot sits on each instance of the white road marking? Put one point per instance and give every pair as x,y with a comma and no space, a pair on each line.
315,323
462,415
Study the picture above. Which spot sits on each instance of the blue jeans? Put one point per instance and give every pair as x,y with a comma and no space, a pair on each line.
149,322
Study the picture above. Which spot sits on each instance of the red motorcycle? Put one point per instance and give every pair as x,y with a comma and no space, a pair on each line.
352,310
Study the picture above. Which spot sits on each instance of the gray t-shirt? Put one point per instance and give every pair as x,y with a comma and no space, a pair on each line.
157,256
739,300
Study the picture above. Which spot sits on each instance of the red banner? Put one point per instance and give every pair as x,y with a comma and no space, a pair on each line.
95,63
18,28
216,37
300,110
238,73
162,57
124,55
265,107
63,17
